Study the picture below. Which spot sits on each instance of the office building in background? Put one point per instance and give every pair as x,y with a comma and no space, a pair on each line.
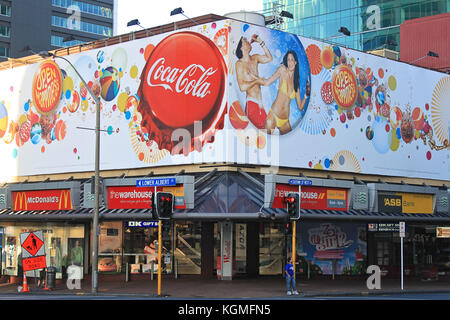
373,25
52,24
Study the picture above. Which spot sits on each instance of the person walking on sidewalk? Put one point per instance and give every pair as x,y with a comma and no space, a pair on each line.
290,278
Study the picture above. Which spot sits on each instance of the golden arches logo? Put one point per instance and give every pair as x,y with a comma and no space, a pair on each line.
20,201
65,200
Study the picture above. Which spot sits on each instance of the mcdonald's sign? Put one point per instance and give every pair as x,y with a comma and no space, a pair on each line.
58,199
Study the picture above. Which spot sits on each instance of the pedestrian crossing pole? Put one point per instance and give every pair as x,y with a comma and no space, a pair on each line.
159,256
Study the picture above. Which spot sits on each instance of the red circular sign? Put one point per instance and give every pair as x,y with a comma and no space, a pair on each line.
47,87
344,87
184,80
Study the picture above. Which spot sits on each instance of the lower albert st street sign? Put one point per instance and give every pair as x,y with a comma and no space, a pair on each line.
156,182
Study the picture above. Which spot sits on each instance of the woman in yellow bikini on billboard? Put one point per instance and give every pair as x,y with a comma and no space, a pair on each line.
288,89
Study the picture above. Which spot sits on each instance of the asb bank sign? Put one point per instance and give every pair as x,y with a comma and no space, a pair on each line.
59,199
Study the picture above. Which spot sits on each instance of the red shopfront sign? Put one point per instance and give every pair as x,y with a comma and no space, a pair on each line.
318,198
132,197
58,199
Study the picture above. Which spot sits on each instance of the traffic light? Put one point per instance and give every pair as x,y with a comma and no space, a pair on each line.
292,201
164,205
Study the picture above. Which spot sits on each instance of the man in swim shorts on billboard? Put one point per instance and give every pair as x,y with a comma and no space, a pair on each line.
249,80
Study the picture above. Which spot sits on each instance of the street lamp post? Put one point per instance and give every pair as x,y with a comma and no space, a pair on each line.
46,54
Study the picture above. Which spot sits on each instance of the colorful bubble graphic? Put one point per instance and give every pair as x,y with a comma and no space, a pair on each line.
109,83
3,119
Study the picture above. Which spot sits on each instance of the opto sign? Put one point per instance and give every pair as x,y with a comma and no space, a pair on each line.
187,72
59,199
313,197
131,197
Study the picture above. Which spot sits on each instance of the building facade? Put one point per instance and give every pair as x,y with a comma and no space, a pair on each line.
51,24
227,164
373,25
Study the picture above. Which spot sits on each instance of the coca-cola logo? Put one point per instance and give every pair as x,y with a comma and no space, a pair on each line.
179,80
183,82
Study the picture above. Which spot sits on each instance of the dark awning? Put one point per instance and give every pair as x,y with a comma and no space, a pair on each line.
362,215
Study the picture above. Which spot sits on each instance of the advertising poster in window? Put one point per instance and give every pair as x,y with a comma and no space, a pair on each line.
344,244
237,93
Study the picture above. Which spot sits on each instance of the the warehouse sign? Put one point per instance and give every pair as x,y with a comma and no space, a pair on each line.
405,203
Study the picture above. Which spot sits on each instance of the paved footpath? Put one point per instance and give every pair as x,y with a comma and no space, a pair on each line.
192,287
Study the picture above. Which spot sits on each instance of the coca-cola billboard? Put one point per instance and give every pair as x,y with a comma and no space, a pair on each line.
183,82
226,92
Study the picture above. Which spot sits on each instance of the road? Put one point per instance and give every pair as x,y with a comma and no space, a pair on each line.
405,296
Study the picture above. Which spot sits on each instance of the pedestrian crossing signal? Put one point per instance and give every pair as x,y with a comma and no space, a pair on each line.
292,201
164,205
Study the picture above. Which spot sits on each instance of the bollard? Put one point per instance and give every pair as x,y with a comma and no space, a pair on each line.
176,267
50,281
126,272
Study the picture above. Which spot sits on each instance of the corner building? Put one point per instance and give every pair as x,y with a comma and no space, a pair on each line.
361,149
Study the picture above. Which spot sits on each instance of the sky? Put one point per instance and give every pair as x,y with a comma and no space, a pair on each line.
152,13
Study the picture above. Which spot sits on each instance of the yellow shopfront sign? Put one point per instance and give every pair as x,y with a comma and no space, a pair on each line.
416,203
406,203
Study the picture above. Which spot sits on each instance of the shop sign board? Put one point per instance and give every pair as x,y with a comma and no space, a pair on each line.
443,232
402,229
57,199
132,197
405,203
383,227
33,250
319,198
142,224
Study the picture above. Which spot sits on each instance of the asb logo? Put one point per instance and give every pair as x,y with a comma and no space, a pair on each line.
183,82
390,203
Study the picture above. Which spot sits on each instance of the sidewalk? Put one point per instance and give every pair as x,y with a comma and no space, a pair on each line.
192,287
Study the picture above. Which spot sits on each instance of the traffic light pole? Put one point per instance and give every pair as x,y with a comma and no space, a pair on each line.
159,256
294,250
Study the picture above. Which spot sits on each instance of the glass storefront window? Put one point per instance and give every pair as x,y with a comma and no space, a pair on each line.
188,251
271,246
140,246
64,246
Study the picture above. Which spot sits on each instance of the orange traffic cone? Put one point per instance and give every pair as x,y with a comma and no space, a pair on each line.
25,284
